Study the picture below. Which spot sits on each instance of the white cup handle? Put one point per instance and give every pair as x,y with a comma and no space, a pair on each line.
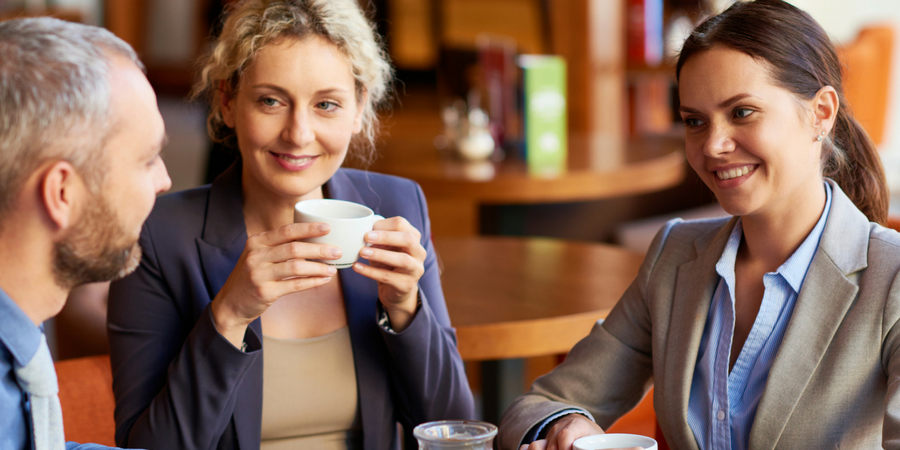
373,219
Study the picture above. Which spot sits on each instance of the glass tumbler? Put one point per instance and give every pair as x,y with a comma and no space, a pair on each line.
455,434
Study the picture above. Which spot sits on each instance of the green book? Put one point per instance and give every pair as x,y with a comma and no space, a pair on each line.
544,110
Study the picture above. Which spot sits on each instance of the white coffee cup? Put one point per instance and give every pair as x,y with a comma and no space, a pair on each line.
614,440
349,224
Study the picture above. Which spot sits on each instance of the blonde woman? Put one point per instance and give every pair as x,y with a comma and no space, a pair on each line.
348,354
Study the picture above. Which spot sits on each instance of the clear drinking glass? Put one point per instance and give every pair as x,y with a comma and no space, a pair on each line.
455,434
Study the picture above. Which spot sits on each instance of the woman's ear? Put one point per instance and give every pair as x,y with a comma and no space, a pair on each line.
825,106
61,188
226,101
360,108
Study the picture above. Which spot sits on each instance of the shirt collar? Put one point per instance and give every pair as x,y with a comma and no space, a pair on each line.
795,268
17,331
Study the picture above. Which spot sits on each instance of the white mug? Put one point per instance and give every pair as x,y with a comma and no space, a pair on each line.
614,440
349,224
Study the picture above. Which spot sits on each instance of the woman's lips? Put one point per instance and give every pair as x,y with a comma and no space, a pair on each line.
735,172
293,163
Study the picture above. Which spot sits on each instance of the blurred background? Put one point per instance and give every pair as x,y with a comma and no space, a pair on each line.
456,122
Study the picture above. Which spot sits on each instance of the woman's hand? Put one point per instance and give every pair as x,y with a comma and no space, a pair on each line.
272,265
397,261
564,432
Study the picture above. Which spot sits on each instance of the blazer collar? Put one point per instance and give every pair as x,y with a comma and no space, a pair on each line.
827,294
225,211
220,246
341,187
695,284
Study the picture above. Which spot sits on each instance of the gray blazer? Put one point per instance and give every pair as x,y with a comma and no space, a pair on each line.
833,384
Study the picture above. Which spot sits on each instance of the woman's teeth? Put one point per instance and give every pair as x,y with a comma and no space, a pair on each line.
293,160
733,173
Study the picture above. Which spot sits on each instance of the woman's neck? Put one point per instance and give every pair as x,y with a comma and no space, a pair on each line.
771,238
266,211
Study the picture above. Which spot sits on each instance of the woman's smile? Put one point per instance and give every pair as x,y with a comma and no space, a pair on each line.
728,174
294,163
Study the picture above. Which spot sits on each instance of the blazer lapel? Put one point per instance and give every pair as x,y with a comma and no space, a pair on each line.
220,247
224,233
369,352
695,284
827,294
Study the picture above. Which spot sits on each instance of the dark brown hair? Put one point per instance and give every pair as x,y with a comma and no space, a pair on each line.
802,60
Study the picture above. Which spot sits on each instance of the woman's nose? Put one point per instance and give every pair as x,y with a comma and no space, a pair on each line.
298,131
719,140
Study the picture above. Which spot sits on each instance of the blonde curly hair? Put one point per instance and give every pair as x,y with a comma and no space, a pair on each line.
250,25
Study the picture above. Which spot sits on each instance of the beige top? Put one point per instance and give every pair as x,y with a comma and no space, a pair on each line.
310,394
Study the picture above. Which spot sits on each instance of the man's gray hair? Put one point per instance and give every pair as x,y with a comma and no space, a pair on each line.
54,99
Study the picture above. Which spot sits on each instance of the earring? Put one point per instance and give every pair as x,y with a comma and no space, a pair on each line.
820,137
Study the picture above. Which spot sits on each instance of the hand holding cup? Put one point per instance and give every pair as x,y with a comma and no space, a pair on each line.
274,263
397,261
392,246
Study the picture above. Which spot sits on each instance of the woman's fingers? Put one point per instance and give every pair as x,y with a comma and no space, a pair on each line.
298,268
400,262
300,250
288,233
402,282
397,232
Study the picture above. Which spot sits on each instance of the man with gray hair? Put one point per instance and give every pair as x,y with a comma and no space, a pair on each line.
80,167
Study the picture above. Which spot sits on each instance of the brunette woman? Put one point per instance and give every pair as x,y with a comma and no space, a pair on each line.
776,328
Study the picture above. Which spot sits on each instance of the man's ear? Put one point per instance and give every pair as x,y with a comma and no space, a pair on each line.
226,100
61,188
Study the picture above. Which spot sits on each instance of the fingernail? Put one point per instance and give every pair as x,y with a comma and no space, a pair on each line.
358,266
336,251
324,227
366,252
326,279
331,270
373,235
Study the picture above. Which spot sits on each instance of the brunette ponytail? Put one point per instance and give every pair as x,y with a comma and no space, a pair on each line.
853,162
802,60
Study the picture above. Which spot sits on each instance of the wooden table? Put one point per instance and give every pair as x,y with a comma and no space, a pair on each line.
524,297
456,189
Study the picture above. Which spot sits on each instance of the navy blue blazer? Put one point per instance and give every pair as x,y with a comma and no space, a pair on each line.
179,384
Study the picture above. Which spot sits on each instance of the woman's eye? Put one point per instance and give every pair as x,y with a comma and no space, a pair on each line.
742,113
268,101
692,122
327,106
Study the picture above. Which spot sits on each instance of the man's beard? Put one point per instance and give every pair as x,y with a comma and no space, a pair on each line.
92,250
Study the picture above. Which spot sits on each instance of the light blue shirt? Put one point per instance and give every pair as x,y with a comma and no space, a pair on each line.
722,405
19,341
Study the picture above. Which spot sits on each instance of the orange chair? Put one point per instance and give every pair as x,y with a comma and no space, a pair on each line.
867,77
85,392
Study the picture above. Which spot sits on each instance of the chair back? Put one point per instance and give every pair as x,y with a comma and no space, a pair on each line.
85,392
867,72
